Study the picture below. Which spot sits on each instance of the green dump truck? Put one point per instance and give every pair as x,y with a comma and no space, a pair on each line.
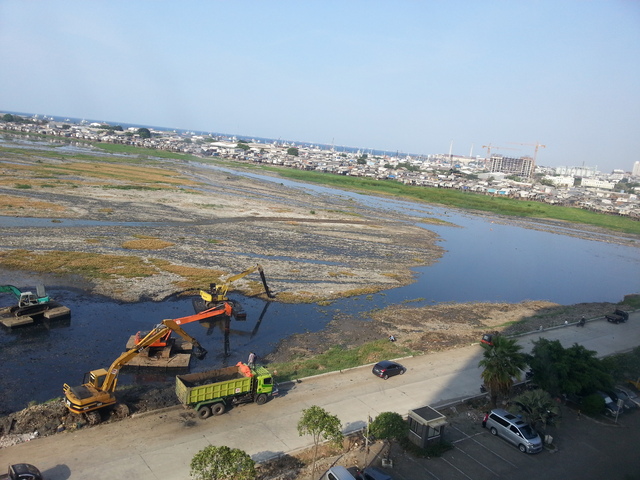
212,392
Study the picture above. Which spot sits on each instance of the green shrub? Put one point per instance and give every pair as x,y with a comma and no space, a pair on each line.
592,404
430,451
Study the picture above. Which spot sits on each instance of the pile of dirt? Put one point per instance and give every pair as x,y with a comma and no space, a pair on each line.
354,452
436,327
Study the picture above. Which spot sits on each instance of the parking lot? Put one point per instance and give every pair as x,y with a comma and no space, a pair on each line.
586,448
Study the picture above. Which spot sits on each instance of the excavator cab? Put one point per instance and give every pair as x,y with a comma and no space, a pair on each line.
26,299
95,378
214,295
217,293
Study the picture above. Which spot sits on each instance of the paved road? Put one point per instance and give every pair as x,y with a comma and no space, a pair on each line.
160,445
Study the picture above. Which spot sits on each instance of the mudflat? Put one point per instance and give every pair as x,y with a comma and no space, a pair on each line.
175,215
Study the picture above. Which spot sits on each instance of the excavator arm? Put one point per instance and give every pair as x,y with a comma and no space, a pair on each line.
222,309
98,393
26,298
160,330
218,293
10,289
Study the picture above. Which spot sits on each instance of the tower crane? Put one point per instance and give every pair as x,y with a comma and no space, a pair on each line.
490,147
536,145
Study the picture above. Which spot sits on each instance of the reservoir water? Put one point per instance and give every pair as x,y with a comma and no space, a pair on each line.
484,261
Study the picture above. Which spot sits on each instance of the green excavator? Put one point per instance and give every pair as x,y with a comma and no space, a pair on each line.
28,303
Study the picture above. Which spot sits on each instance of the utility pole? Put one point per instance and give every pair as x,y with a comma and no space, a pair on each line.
366,442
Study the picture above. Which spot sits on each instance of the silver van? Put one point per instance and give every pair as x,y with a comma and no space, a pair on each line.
515,430
338,473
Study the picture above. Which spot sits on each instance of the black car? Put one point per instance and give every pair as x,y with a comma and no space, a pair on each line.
387,368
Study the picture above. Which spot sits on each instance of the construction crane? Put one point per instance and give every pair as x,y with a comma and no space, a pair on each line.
536,145
493,147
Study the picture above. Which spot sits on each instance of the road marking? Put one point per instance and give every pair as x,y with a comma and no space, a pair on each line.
477,461
483,446
408,457
453,466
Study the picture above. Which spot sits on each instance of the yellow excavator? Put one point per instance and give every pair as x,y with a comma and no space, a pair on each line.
217,294
97,390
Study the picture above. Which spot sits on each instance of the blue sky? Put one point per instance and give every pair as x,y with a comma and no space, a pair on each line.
407,76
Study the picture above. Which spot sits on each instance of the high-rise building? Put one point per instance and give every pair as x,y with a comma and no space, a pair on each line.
636,169
522,166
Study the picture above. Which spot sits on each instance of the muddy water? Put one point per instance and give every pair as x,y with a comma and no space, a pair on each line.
485,261
36,360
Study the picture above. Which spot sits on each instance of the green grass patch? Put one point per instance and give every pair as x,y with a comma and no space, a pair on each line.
430,451
140,151
339,358
466,201
632,301
89,265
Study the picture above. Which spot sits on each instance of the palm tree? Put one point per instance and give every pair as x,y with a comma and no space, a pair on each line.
538,408
502,362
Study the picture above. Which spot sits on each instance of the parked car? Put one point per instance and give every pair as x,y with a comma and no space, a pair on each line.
372,473
338,472
611,407
387,368
629,398
514,430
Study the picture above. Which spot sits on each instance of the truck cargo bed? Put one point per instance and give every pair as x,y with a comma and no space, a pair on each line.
200,387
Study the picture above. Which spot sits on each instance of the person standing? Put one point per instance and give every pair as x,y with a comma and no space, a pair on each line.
252,360
484,420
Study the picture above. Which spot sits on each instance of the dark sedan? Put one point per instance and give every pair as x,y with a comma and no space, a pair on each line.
386,369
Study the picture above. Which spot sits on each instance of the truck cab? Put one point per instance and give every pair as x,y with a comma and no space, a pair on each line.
265,382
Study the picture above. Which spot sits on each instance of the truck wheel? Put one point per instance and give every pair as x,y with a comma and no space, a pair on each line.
261,399
204,412
93,418
218,409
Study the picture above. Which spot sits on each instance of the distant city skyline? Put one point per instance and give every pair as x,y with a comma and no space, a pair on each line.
410,77
352,148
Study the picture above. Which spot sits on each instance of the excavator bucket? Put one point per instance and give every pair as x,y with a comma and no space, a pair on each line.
266,287
199,352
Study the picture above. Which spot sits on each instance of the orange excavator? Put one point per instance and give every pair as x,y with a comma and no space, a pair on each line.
224,308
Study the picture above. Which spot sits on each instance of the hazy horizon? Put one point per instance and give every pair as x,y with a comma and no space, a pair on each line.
413,77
